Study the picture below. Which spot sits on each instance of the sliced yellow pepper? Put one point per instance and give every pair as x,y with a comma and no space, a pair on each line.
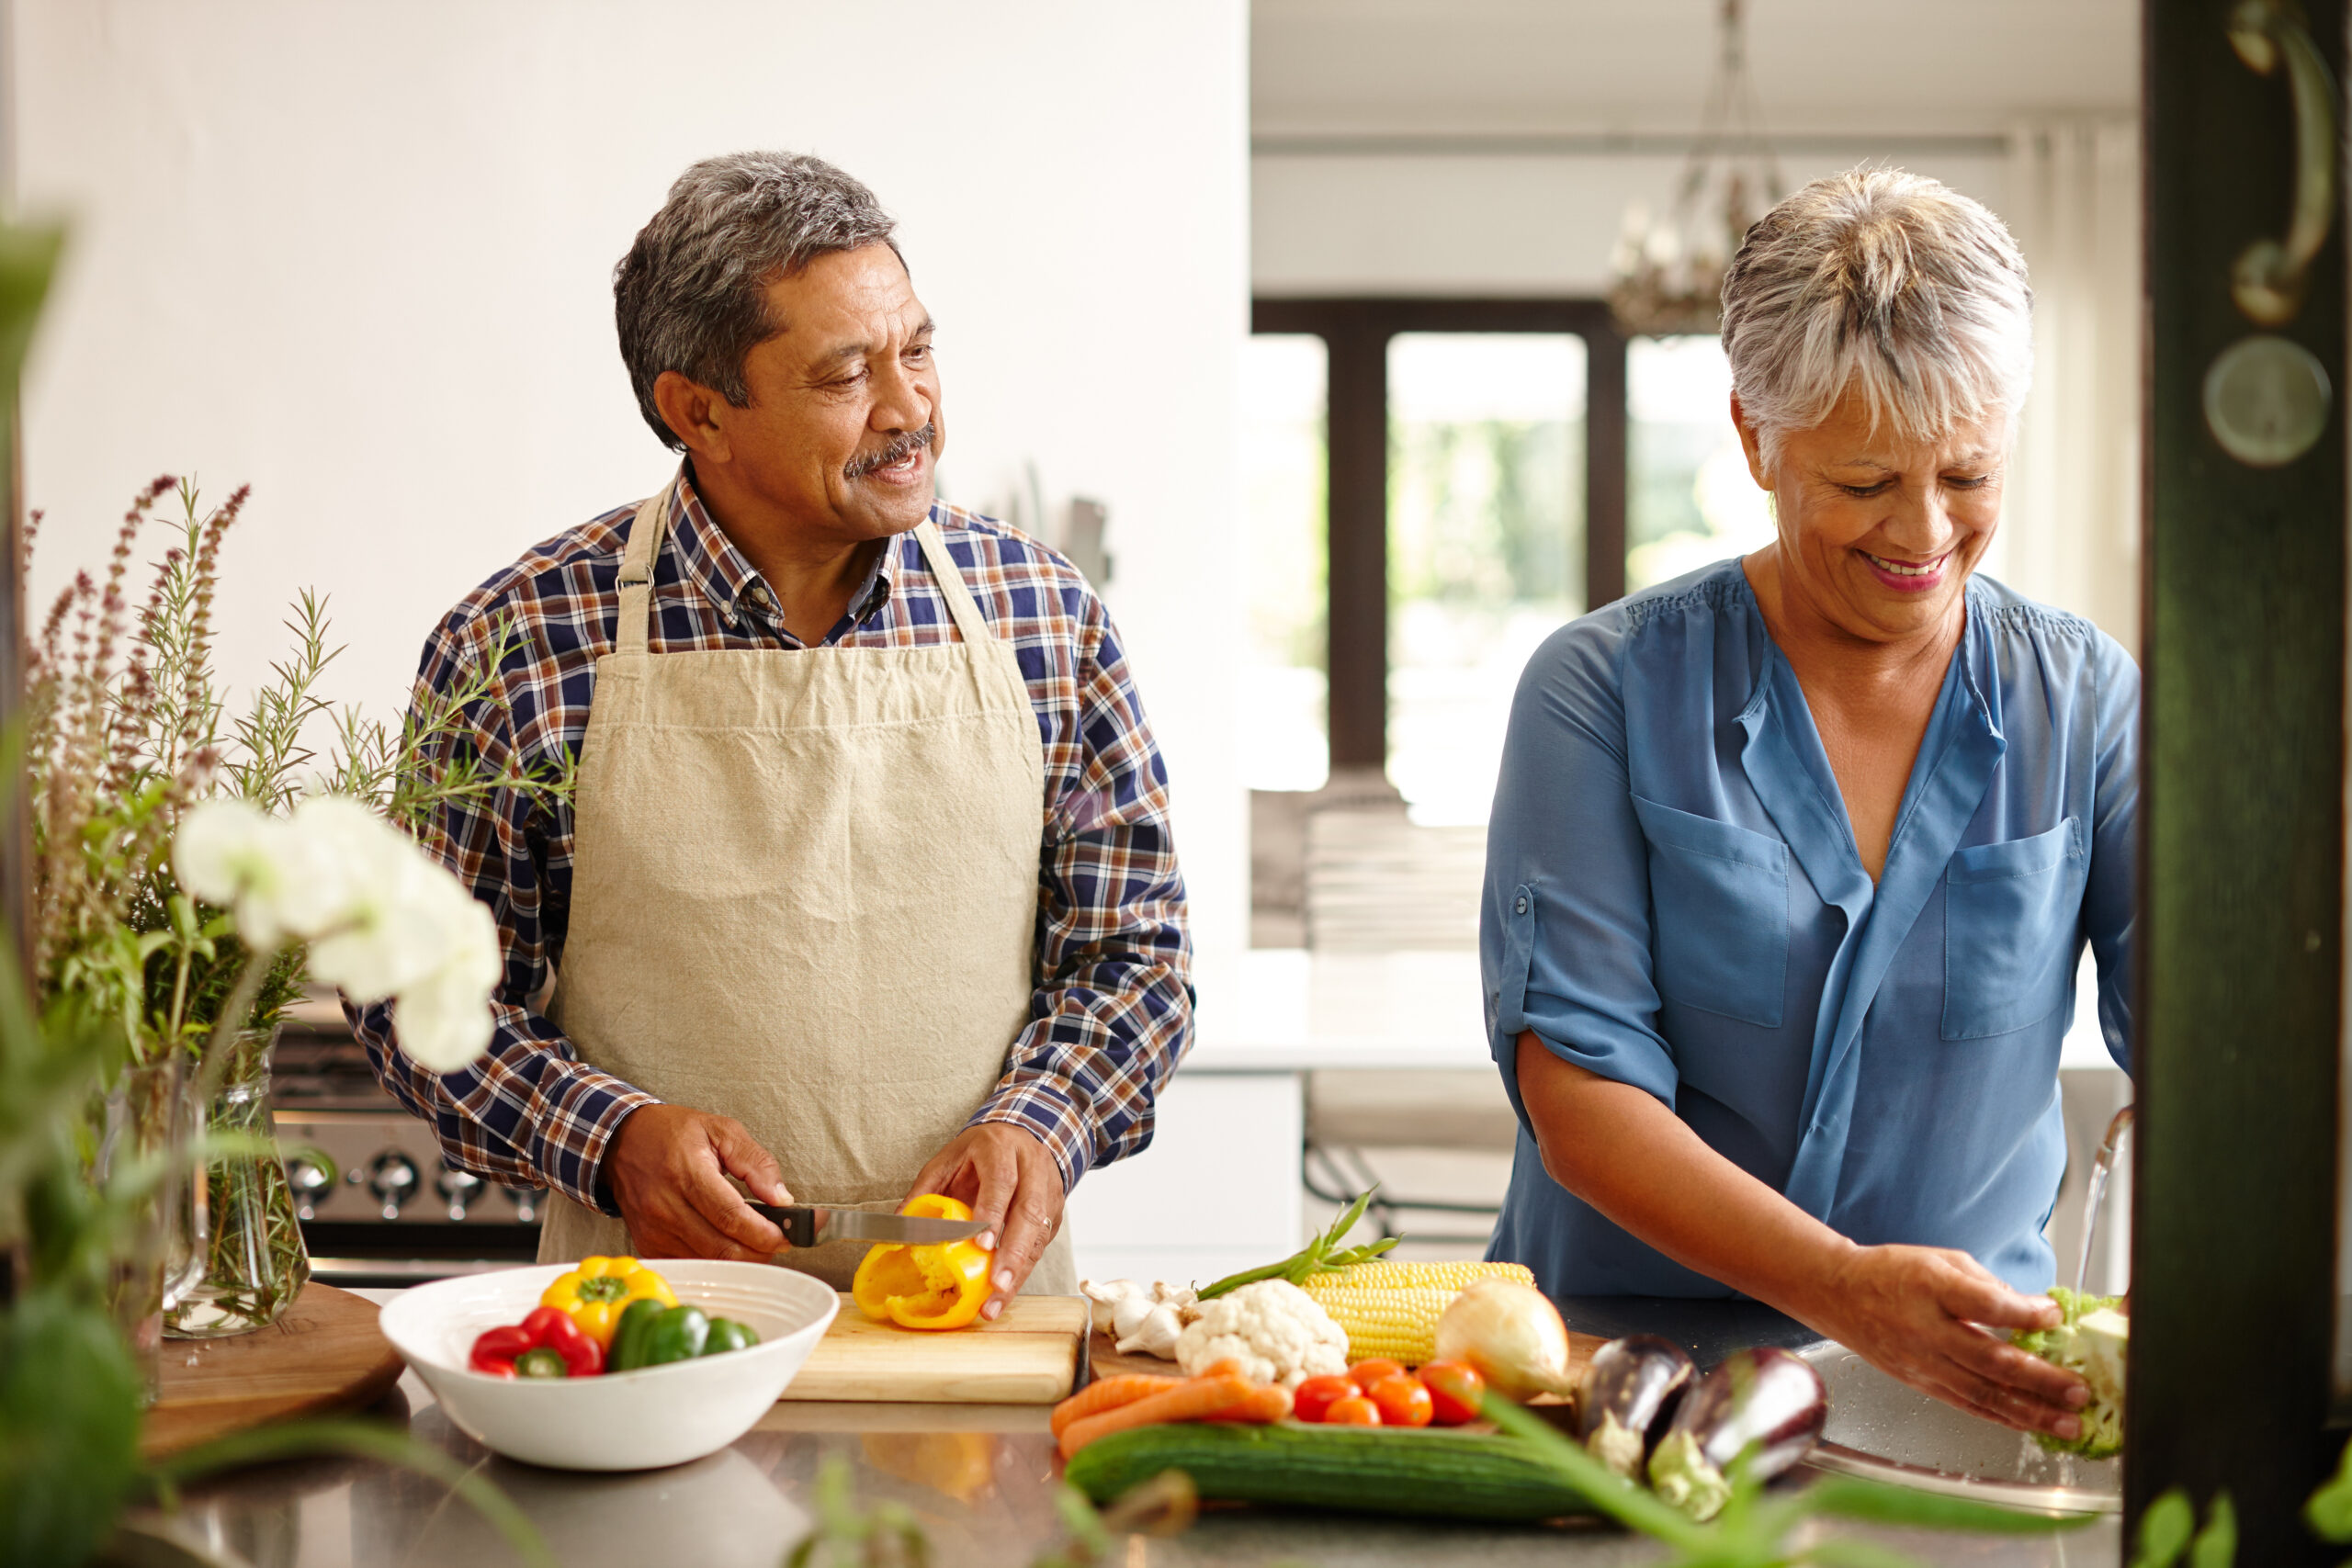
595,1294
925,1287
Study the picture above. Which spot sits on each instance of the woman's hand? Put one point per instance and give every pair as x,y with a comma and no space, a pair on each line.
1909,1311
1913,1312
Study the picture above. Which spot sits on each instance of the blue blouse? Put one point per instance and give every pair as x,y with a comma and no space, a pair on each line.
1674,901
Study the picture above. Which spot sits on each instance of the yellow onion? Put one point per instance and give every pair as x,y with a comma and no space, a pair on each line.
1512,1334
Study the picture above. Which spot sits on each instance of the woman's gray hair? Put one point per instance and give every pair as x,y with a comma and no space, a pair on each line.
691,294
1887,283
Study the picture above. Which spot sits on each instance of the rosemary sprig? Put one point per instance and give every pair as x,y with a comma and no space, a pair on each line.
127,727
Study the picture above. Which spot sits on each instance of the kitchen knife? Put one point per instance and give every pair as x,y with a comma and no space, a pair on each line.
806,1226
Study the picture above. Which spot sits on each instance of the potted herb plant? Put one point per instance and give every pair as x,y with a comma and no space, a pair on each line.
128,733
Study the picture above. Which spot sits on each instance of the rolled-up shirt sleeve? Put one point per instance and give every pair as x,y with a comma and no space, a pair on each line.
1111,1014
1565,939
528,1112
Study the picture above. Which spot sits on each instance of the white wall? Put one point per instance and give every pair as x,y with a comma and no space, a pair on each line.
1459,223
360,256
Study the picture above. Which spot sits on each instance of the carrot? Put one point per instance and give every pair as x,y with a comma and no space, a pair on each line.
1108,1393
1194,1399
1263,1405
1218,1369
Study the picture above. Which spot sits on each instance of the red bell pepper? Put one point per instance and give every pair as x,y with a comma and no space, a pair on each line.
497,1350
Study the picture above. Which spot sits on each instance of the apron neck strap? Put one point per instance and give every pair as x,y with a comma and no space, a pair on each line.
645,535
950,583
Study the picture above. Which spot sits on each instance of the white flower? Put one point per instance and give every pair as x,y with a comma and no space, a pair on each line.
443,1020
382,919
401,913
232,853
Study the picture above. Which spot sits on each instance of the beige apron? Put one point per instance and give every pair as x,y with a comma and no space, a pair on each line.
804,895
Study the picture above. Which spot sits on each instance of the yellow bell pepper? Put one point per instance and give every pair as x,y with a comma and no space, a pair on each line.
595,1294
925,1287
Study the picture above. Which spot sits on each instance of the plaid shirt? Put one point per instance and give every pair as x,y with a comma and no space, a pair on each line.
1112,1010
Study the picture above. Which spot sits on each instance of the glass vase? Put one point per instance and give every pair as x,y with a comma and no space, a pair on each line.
254,1262
146,1126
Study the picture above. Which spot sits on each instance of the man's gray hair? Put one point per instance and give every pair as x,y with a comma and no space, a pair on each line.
1887,283
691,294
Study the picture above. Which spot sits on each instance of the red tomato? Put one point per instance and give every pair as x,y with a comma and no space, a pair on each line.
1353,1411
1455,1391
1403,1402
1366,1373
1317,1395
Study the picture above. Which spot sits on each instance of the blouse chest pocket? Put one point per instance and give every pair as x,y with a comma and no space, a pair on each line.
1719,903
2010,914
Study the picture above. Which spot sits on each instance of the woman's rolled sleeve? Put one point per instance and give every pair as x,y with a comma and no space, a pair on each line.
1565,928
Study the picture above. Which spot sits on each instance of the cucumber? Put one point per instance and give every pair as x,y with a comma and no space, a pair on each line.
1463,1475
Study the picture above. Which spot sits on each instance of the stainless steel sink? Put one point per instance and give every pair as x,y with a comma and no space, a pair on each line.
1879,1429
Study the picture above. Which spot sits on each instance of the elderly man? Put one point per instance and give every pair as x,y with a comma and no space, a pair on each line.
867,889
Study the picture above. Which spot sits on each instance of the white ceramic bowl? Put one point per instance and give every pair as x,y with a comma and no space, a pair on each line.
655,1415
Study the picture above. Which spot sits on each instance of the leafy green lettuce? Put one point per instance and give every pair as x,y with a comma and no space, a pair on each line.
2092,1341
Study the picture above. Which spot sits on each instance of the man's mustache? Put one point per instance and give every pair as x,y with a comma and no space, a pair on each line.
912,441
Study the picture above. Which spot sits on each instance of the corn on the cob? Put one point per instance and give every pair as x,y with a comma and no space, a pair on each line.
1387,1276
1391,1309
1398,1321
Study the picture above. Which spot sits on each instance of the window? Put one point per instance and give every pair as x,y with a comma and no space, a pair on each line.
1472,455
1284,735
1690,500
1486,546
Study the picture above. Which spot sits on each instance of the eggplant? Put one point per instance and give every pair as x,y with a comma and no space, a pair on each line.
1763,1399
1629,1393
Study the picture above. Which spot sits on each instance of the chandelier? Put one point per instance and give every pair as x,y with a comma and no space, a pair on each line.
1668,276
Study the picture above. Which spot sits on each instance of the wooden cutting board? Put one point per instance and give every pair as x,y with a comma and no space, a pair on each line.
1029,1356
325,1354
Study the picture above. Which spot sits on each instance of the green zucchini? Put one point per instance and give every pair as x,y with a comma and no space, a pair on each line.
1468,1475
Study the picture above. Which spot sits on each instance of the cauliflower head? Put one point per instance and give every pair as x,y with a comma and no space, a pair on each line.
1278,1333
2093,1340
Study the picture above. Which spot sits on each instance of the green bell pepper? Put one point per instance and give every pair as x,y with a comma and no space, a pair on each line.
657,1337
726,1333
545,1362
627,1348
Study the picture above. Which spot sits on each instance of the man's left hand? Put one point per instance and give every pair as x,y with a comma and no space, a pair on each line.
1012,1183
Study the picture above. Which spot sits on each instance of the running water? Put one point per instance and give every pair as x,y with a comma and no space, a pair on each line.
2095,1198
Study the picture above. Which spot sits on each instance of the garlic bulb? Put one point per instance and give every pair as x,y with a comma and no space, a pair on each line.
1139,1319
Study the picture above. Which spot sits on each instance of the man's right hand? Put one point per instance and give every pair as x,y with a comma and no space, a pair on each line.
668,1167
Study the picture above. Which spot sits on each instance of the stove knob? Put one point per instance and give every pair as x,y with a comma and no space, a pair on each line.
526,1203
312,1174
391,1177
457,1188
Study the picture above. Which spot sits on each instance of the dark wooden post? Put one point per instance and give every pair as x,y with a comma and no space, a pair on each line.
1606,440
1357,661
2242,816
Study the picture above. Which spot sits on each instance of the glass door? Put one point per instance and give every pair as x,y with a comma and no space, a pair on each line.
1486,546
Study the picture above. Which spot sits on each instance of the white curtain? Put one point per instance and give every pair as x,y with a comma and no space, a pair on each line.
2070,533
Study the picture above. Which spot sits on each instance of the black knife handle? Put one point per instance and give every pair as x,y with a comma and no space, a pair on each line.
798,1225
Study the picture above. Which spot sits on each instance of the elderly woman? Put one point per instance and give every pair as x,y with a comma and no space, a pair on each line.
1791,860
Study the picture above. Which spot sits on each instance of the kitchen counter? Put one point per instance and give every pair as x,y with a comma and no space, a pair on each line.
979,1477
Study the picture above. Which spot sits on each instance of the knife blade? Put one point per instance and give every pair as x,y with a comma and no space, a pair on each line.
806,1224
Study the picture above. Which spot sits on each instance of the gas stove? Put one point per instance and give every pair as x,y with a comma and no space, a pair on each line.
377,1204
